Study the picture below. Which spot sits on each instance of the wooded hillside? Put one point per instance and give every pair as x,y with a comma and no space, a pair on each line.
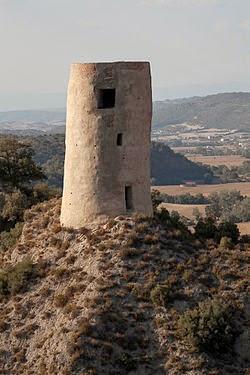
227,111
167,167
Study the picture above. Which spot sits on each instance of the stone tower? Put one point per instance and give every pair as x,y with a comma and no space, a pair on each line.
107,162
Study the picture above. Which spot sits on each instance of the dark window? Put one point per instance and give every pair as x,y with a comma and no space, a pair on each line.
128,197
119,139
106,98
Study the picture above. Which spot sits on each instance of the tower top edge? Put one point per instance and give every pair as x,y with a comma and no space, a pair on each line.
111,63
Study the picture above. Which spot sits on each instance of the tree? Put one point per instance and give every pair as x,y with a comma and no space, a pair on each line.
223,203
53,169
156,198
15,204
197,214
17,168
43,192
208,178
206,228
241,211
227,229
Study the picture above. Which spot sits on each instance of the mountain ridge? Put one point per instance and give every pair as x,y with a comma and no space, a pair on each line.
223,110
227,110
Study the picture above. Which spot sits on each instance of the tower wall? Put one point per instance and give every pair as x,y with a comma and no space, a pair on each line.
107,162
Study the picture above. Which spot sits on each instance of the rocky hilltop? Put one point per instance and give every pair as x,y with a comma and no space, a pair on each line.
121,298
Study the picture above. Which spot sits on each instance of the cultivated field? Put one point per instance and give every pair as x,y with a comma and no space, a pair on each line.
229,161
243,187
185,209
244,228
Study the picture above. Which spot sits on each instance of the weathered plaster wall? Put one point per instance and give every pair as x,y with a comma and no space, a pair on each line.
96,169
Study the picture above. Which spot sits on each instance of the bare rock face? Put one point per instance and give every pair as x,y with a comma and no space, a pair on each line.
107,164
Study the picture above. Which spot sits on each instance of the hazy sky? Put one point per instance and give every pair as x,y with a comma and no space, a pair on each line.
195,46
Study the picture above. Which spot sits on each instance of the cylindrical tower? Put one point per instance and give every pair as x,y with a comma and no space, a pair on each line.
107,162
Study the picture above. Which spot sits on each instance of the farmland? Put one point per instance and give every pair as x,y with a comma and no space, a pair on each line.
243,187
185,209
228,160
244,228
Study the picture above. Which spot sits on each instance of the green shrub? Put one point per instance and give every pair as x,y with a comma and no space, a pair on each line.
142,292
56,242
187,276
15,279
160,295
245,238
9,239
141,218
172,220
226,243
15,204
206,228
228,229
43,192
208,327
3,283
163,216
127,362
61,300
157,199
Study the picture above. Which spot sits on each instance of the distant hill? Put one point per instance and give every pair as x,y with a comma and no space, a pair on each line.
32,122
169,168
29,116
229,111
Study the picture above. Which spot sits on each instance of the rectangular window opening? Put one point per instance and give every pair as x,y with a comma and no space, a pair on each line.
119,139
106,98
128,197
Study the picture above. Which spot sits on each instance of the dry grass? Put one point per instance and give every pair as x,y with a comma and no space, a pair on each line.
92,311
243,187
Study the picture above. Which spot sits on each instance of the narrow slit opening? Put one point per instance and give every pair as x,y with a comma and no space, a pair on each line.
128,197
119,139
